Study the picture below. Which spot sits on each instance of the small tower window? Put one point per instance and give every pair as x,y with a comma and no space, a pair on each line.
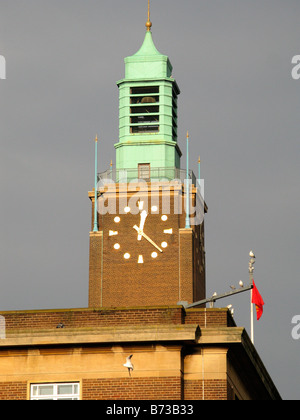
144,171
144,110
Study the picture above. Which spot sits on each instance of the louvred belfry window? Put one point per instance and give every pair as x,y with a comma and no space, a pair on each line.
144,109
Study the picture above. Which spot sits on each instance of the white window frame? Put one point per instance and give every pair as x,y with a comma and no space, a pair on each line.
75,395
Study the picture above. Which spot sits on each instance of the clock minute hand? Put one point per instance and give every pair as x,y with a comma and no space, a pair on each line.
147,237
142,223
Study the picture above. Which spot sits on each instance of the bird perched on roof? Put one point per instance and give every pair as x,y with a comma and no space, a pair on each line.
128,364
232,287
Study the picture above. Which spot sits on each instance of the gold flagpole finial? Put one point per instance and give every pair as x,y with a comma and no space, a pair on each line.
187,134
96,138
148,24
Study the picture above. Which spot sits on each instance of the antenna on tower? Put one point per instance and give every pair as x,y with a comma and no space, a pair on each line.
148,23
96,190
187,186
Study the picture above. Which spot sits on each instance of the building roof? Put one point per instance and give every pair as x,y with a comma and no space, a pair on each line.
147,62
190,328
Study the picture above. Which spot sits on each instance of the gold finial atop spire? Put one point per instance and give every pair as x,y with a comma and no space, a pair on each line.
199,160
148,24
96,138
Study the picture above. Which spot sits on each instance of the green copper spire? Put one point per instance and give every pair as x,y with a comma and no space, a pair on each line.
148,23
148,62
148,110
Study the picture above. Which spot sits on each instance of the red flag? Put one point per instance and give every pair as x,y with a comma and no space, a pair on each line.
258,301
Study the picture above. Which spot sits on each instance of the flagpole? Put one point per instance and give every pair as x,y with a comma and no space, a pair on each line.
96,189
187,218
251,269
252,316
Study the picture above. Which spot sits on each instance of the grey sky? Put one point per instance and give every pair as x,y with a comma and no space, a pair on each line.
232,62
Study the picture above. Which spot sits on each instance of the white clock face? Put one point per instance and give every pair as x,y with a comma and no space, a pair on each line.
138,234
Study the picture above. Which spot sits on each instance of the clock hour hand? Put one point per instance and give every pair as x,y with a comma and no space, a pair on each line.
142,223
147,237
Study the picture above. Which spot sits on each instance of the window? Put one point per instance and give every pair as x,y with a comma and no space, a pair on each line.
145,129
174,115
144,90
144,110
60,391
139,100
144,171
148,109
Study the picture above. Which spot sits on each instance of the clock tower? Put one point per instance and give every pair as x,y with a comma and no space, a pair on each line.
144,249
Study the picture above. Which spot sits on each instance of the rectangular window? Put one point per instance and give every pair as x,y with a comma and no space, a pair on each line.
145,119
145,129
138,100
174,115
149,109
59,391
144,110
144,90
144,171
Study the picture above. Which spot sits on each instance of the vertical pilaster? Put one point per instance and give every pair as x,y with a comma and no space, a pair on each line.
186,266
96,269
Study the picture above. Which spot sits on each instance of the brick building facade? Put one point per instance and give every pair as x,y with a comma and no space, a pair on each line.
146,260
178,354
